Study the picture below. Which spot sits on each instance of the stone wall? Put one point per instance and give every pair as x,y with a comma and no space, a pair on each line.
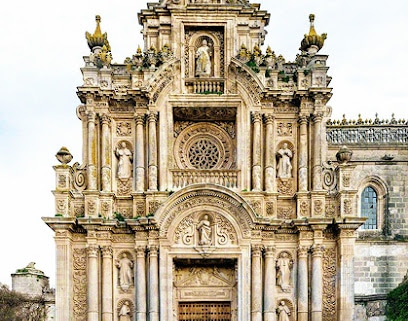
379,266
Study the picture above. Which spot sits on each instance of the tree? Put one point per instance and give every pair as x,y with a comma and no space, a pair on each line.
15,306
397,303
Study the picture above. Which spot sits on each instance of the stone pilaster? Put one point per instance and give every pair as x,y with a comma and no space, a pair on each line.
269,309
317,152
256,152
303,283
106,170
93,284
346,243
107,285
317,282
303,154
139,163
92,151
256,287
270,172
153,117
153,283
140,282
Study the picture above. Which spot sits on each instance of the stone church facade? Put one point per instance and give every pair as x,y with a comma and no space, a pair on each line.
214,185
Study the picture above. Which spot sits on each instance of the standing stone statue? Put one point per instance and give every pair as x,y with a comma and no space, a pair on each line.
283,264
125,161
124,313
283,312
125,266
284,163
203,61
204,231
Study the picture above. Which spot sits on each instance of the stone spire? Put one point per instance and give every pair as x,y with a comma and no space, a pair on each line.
312,42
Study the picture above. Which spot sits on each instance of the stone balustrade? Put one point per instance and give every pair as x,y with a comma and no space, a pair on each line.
205,86
375,135
227,178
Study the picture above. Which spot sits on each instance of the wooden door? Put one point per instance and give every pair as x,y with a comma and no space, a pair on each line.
204,311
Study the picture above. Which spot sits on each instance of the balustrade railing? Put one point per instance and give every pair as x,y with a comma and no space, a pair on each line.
200,86
185,177
375,135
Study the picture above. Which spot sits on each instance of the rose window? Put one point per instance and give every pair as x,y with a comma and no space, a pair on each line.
203,146
203,154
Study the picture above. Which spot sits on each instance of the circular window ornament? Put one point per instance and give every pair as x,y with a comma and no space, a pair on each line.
203,146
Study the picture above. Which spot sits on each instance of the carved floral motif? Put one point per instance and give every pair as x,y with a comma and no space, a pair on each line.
80,304
329,284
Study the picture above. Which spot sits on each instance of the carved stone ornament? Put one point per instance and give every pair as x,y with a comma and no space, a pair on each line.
344,155
64,156
329,284
80,303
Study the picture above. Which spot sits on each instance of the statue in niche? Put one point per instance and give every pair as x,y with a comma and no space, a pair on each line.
124,312
125,266
125,161
203,60
284,162
283,266
283,312
204,231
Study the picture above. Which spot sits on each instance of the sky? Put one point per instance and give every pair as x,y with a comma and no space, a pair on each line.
41,48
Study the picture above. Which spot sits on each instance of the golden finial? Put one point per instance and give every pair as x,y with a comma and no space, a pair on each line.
312,42
97,39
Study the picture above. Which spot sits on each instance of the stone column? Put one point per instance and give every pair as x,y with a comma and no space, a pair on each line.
140,157
317,282
256,287
140,282
303,154
93,271
317,152
153,116
92,149
106,151
269,285
346,243
107,285
270,175
153,283
256,152
302,283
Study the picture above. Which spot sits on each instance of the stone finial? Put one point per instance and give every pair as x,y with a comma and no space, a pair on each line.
344,155
97,39
64,156
312,42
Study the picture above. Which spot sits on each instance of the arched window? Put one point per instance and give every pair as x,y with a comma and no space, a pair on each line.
369,208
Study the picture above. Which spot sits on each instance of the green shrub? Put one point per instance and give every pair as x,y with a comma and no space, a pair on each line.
397,303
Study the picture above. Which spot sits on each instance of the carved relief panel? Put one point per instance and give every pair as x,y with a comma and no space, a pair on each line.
205,229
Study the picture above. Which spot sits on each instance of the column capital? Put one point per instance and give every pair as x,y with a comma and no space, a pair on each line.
257,249
317,117
303,250
303,120
92,250
256,117
91,116
269,118
317,250
140,250
107,251
140,119
270,250
153,116
153,250
105,119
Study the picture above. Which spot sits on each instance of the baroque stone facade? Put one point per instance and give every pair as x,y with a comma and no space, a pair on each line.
214,185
